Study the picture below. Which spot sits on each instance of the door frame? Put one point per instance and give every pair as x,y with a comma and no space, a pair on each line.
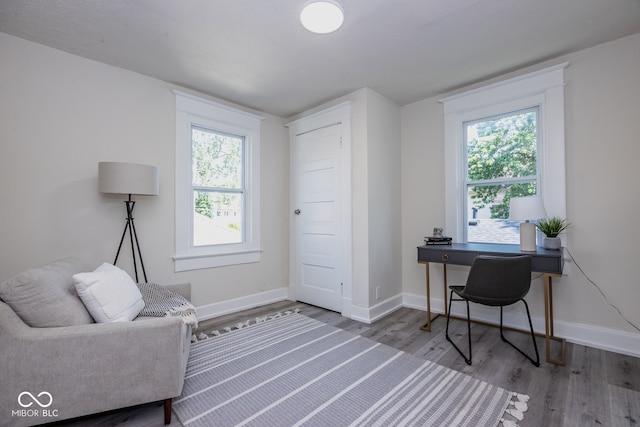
338,114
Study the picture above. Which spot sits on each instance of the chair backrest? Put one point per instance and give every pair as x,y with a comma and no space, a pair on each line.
495,280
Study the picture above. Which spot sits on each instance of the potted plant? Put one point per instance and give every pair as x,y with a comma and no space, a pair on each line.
551,227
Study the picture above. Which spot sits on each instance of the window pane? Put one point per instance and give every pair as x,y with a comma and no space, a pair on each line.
217,218
501,163
488,212
503,147
216,159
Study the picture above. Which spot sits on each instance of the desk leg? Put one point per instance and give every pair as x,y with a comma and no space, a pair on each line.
427,326
444,289
548,324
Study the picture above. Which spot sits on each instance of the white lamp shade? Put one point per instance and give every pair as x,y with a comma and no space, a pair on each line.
128,178
526,208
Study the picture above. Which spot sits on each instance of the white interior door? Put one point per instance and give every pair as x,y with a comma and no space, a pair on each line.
317,217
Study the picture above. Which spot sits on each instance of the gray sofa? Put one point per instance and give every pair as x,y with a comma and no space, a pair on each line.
57,371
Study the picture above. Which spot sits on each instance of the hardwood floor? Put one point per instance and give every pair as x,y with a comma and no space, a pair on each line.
595,388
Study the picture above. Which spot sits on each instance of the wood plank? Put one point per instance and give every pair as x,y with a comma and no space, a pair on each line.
623,371
548,390
588,403
625,406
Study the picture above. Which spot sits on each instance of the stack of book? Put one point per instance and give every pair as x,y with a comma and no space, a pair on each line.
434,240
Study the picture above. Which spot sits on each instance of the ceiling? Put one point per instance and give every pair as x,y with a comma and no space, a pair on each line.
256,53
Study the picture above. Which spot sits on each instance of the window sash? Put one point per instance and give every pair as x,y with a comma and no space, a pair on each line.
224,232
242,162
199,241
503,183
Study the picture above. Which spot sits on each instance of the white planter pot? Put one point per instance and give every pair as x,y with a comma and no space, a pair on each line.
551,243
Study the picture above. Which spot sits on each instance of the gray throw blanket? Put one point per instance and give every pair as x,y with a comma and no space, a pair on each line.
161,302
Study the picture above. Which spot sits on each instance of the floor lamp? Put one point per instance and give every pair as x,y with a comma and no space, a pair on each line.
129,178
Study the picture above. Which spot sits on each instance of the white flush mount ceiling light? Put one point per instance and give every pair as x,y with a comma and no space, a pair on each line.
322,17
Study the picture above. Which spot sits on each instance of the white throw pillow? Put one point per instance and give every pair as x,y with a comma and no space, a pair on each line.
109,294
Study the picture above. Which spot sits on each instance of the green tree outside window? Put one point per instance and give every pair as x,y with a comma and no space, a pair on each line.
502,161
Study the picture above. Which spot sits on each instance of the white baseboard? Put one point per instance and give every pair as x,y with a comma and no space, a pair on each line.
378,311
577,333
217,309
605,339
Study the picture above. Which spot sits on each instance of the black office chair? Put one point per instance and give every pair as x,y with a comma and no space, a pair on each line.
498,282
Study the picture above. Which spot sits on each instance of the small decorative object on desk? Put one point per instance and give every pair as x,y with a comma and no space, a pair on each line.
437,231
551,227
433,240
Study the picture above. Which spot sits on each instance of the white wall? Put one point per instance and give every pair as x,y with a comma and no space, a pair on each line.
602,100
384,201
603,178
59,116
422,189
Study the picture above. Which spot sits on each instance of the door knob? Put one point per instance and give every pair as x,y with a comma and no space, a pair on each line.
297,212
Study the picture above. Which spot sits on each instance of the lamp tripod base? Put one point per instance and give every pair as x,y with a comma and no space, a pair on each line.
131,228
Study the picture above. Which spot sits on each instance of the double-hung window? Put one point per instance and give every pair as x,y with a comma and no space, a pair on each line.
501,141
217,185
500,158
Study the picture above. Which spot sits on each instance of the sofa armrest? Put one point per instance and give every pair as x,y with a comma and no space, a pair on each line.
183,289
91,368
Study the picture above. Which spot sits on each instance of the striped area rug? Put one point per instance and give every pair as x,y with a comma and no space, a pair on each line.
292,371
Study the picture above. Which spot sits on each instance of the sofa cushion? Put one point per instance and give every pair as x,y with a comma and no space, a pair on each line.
46,296
109,294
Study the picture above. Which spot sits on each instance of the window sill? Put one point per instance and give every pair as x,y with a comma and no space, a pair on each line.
196,262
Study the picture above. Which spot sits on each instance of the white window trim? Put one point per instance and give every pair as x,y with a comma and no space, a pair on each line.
543,88
192,110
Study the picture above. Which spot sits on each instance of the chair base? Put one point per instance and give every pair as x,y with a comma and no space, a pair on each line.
536,362
446,333
468,360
